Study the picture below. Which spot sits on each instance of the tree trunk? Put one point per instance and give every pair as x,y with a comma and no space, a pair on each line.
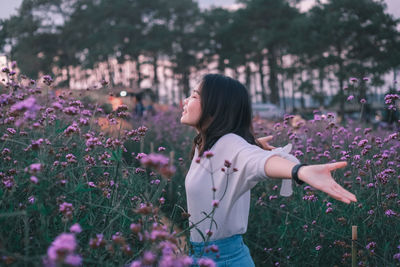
110,74
261,72
185,83
302,96
68,81
341,84
283,93
248,77
321,87
273,72
293,104
156,80
138,73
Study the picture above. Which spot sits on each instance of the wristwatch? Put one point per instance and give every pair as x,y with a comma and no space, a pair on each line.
295,171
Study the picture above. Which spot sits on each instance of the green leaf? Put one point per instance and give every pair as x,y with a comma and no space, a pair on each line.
60,129
80,188
116,155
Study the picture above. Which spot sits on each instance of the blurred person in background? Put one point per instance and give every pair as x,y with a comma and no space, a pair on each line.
138,109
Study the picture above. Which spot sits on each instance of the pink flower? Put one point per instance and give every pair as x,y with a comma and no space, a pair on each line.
63,245
136,264
75,228
148,258
73,260
390,213
34,179
329,210
31,199
205,262
35,167
208,154
350,98
215,203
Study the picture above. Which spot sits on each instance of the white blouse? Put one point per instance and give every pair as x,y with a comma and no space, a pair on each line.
232,187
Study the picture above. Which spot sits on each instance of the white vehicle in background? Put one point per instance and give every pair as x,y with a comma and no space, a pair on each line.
267,111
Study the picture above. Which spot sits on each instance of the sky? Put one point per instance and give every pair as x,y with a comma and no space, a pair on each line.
9,7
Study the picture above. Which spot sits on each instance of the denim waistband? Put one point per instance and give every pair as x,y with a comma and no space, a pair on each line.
225,245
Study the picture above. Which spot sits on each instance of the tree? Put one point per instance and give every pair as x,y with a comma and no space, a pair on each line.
184,19
269,22
354,36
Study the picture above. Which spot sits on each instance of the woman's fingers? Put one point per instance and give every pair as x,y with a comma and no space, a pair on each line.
338,195
266,138
345,193
319,176
264,142
338,192
336,165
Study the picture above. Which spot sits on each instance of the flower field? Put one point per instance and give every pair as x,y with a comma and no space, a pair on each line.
72,194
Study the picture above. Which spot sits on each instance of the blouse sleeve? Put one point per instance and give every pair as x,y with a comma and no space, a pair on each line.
250,161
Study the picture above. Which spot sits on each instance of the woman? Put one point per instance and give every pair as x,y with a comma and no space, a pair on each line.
227,162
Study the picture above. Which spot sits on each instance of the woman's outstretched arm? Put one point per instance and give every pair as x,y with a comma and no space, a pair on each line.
318,176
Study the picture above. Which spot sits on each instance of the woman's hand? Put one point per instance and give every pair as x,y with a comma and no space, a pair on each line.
264,142
319,176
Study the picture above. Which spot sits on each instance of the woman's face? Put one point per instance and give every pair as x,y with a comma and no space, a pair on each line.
192,109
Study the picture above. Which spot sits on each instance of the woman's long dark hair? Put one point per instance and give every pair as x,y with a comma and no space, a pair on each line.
226,108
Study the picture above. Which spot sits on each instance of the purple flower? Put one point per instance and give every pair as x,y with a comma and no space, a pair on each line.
63,245
353,80
366,79
66,209
370,245
154,160
215,203
208,154
318,247
390,213
35,167
28,106
362,142
310,197
148,258
136,264
350,98
205,262
47,79
209,232
31,199
5,70
329,210
34,179
272,197
73,260
75,228
363,101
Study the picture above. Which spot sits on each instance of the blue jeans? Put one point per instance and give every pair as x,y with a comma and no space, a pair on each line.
232,252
